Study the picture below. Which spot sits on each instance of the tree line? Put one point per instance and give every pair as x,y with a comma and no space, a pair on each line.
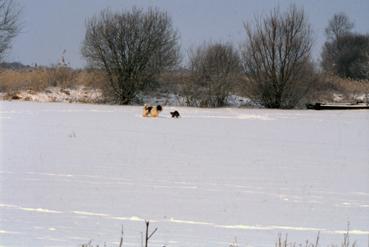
273,66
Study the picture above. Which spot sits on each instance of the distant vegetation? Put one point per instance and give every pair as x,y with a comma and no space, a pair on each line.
136,52
345,53
40,78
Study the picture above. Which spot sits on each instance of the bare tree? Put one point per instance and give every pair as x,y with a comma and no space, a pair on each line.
345,53
348,56
339,25
214,69
9,24
132,47
276,58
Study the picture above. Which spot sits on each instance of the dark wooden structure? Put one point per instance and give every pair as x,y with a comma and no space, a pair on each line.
337,106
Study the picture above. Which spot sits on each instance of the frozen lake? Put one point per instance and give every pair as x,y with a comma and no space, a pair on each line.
71,172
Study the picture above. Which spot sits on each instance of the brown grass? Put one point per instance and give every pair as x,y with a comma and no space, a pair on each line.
327,85
38,79
14,80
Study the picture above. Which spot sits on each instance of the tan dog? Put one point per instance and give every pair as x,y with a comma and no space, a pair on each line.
146,110
151,111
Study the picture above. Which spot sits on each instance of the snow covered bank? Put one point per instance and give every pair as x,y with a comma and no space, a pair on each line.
57,94
89,95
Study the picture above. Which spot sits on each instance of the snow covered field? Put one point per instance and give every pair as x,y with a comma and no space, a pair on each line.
71,172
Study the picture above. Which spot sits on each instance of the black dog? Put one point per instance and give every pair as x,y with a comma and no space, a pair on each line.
175,114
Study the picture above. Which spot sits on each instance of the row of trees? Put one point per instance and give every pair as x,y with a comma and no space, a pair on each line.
274,65
135,47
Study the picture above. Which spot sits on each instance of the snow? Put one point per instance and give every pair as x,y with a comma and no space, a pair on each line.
57,94
71,173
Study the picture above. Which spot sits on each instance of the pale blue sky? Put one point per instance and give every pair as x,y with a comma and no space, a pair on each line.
50,26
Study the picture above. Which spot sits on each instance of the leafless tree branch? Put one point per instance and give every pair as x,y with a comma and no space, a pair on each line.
276,58
132,47
9,24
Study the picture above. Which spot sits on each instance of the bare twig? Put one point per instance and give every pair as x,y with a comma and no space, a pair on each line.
147,238
121,238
